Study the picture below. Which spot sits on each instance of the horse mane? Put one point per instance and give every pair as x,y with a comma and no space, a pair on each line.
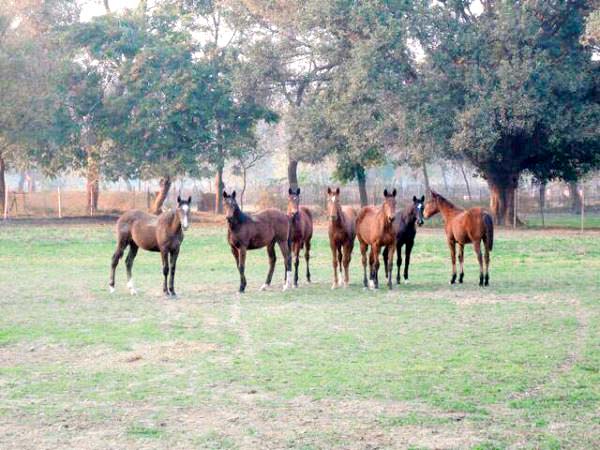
443,200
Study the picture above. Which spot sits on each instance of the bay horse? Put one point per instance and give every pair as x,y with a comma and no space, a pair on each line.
374,228
463,227
405,226
342,231
163,233
301,230
263,229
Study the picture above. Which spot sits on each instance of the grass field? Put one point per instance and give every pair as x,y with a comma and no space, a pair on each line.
427,365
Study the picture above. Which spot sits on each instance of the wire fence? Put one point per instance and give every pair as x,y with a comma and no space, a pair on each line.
560,206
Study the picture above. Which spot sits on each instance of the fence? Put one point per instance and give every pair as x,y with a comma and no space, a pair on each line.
558,210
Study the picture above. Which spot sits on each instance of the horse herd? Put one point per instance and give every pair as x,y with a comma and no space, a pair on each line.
375,228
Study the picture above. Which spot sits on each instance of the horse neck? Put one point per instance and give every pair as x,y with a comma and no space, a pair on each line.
340,221
174,222
382,219
239,218
447,209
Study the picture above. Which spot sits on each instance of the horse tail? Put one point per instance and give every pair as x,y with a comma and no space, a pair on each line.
489,231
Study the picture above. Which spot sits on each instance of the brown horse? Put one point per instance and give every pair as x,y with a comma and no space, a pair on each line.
162,234
342,231
301,230
264,229
462,227
374,228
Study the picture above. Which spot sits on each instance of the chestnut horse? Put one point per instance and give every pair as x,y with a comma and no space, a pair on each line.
462,227
162,234
301,230
342,231
264,229
405,226
374,228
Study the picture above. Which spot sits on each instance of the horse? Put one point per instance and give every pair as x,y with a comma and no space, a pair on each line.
462,227
374,228
405,226
342,231
163,233
301,230
263,229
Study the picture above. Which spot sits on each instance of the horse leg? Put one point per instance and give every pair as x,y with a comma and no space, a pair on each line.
272,260
165,263
340,257
477,249
371,269
296,252
133,249
375,255
452,245
287,260
461,260
174,255
408,248
346,261
236,255
334,261
385,260
487,265
398,260
363,253
242,268
390,264
121,245
307,257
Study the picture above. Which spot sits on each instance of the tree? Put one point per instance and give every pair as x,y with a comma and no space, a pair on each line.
527,88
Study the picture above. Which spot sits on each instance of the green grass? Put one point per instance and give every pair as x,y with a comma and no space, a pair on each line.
426,365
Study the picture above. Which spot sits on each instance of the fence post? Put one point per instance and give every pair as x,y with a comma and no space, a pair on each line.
59,203
515,207
5,202
582,194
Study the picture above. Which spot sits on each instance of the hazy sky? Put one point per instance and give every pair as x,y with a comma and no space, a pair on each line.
91,8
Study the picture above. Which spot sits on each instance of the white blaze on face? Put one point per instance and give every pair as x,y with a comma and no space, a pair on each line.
333,199
184,220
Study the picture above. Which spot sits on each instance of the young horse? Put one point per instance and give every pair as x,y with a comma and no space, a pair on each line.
374,228
264,229
342,231
464,227
162,234
405,226
301,230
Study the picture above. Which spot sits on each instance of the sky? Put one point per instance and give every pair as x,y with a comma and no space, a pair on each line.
92,8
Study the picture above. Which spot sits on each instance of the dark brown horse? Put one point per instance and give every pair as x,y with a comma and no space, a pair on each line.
405,226
342,231
162,234
462,227
264,229
301,230
374,228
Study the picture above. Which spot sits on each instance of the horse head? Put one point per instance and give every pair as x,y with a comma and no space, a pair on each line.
183,211
431,207
389,204
418,206
333,203
230,205
293,207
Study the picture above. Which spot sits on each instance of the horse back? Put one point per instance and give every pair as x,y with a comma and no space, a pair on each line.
267,226
139,227
469,226
350,220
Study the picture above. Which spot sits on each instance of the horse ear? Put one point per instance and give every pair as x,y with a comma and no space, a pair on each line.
225,195
178,199
337,191
298,191
394,192
328,190
422,198
415,199
385,193
190,199
233,195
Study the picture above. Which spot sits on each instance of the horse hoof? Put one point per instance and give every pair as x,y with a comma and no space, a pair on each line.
111,289
334,286
371,284
295,285
264,287
406,281
345,285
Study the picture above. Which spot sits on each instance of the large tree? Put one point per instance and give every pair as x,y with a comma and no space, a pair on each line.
526,87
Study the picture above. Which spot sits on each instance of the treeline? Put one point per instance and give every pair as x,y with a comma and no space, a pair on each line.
178,87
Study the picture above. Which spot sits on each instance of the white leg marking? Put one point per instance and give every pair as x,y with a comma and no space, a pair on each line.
264,287
111,289
334,285
131,287
371,284
406,281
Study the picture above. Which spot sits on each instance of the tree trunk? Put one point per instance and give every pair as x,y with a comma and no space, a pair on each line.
542,201
293,173
361,178
161,195
219,186
244,173
502,198
575,198
426,178
462,169
2,184
22,178
92,186
445,176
